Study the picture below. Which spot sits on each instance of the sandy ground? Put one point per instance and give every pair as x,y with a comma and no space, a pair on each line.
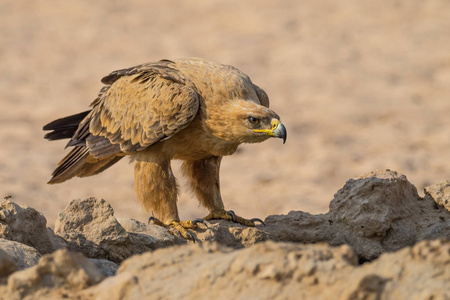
360,85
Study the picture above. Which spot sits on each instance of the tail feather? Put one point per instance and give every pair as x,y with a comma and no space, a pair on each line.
70,165
81,164
78,162
90,169
65,127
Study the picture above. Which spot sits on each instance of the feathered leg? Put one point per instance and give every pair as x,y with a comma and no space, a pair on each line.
157,189
203,176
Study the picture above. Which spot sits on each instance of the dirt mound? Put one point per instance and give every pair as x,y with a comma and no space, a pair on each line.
298,255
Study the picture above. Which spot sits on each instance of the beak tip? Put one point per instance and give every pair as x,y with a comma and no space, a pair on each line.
284,135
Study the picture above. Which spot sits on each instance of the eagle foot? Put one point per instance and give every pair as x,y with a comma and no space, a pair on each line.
179,226
221,214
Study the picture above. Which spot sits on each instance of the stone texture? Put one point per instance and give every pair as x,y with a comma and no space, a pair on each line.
214,271
267,270
440,193
24,256
25,225
371,203
105,267
419,272
379,240
7,266
148,236
374,213
61,270
89,226
379,209
272,270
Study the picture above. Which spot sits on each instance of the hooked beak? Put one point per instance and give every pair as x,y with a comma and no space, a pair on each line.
278,130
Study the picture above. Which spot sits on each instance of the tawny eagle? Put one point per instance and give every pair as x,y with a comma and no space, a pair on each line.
191,109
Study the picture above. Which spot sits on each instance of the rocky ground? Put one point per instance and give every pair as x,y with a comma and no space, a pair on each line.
379,240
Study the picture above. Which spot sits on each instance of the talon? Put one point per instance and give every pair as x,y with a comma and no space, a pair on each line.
178,227
191,237
156,222
221,214
196,221
181,227
258,220
232,214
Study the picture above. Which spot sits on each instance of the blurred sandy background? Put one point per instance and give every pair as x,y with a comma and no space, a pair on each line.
360,85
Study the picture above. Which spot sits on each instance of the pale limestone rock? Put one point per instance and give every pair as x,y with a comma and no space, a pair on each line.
270,270
149,236
25,225
7,266
105,267
440,193
89,226
24,256
266,270
374,213
61,270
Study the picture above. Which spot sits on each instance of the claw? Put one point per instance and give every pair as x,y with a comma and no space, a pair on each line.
258,220
156,222
232,214
179,226
221,214
196,221
191,236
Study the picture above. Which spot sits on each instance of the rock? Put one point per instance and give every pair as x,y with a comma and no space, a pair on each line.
7,266
25,225
378,208
24,256
57,272
419,272
148,236
206,272
227,233
298,226
89,226
374,213
270,270
105,267
435,231
440,193
371,203
370,219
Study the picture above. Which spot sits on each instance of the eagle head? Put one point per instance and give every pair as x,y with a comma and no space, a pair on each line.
243,121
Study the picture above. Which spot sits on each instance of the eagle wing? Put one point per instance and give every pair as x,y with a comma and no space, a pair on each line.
137,108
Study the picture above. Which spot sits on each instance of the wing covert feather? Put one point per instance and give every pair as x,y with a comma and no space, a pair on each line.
139,110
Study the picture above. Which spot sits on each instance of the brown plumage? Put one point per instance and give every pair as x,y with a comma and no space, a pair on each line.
188,109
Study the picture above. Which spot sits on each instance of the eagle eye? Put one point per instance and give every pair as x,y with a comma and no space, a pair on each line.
253,120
